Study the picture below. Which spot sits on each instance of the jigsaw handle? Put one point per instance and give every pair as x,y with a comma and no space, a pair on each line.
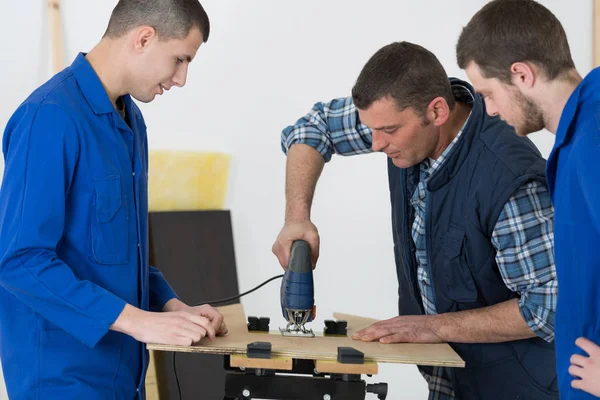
297,287
300,260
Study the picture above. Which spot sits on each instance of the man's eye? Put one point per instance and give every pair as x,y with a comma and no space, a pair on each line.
178,60
390,131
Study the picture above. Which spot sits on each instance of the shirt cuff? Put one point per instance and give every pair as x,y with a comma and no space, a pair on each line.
160,292
91,330
539,319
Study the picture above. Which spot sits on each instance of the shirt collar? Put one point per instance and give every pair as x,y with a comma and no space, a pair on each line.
431,166
587,90
90,85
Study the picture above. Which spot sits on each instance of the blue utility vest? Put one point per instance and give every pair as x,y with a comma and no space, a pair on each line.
466,196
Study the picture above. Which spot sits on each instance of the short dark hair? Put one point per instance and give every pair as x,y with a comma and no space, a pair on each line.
172,19
504,32
408,73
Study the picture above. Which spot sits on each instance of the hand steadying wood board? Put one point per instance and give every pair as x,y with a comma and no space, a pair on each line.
319,347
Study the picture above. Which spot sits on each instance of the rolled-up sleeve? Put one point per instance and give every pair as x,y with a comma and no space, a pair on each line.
330,128
524,241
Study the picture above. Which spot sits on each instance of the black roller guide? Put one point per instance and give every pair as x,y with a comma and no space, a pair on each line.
256,324
258,350
349,355
335,328
263,324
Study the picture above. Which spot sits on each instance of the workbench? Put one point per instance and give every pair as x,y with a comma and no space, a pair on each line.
307,368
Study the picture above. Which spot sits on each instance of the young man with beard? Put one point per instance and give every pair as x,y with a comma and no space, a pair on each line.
471,216
517,56
78,299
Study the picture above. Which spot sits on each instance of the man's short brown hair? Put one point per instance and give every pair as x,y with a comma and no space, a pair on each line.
172,19
504,32
408,73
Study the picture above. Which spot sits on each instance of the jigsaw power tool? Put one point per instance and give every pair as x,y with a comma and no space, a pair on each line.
297,292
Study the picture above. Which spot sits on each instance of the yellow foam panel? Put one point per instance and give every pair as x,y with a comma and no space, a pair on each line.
187,180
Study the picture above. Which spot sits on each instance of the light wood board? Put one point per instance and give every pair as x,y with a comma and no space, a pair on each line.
319,347
282,363
56,39
286,364
355,323
334,367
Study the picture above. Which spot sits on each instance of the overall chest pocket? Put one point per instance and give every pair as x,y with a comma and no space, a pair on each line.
460,285
110,233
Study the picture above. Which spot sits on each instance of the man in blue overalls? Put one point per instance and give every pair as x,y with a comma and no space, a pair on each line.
77,296
517,55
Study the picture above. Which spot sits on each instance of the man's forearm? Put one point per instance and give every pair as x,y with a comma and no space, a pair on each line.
303,169
498,323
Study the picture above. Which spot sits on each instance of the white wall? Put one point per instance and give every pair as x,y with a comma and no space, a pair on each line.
264,66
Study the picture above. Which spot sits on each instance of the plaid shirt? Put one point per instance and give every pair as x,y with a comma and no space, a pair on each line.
523,235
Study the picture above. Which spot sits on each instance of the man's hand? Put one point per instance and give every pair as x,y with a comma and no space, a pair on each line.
586,370
171,327
212,314
501,322
403,329
292,231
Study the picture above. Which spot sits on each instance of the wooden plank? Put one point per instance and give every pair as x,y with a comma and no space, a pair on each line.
283,363
56,35
334,367
596,39
355,323
151,382
317,348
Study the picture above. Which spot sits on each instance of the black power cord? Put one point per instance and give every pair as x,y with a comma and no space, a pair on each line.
213,303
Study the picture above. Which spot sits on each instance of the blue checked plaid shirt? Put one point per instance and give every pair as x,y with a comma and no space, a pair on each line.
523,235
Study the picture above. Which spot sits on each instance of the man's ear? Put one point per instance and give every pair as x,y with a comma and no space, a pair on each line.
438,111
523,75
142,37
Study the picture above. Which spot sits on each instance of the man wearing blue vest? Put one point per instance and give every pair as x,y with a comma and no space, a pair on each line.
471,215
524,69
78,299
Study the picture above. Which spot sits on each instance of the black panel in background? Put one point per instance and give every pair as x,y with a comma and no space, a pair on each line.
194,251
